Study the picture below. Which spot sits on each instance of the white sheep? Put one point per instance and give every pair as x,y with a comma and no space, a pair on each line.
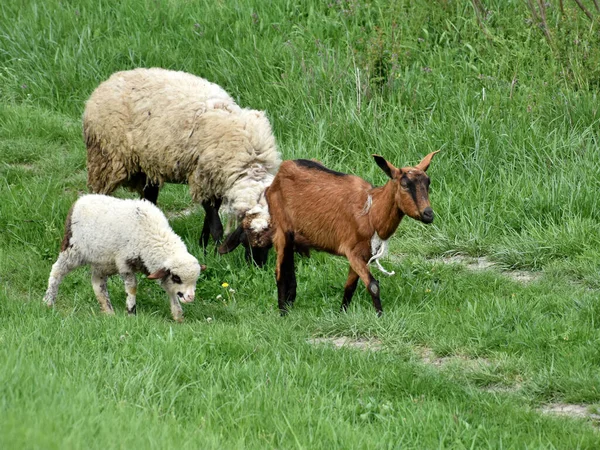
124,236
145,127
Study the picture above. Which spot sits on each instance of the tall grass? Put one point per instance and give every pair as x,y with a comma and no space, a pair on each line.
516,181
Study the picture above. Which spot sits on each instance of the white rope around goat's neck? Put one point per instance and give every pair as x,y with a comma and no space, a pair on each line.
379,249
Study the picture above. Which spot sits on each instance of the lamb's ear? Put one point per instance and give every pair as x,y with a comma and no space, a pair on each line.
159,274
424,164
232,241
385,166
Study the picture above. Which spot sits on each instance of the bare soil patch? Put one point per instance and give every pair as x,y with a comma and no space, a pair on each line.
183,213
576,410
339,342
428,356
482,263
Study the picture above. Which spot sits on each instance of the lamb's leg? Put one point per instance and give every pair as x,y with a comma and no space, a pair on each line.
285,271
359,265
349,288
130,282
176,310
212,222
99,279
63,265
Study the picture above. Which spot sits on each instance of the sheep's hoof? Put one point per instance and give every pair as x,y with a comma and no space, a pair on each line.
108,312
178,319
132,311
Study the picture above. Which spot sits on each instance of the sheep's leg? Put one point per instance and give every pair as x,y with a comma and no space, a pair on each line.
349,288
285,271
63,265
359,265
99,279
130,282
212,223
176,310
150,192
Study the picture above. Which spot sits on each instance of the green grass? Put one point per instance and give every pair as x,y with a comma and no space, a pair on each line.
467,357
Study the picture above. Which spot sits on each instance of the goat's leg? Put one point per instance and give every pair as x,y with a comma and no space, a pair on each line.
99,279
212,223
63,265
359,265
130,282
349,288
285,271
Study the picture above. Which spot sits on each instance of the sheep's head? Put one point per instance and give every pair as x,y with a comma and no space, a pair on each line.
412,187
254,233
178,277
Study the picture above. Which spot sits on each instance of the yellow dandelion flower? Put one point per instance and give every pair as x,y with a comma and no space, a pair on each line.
225,285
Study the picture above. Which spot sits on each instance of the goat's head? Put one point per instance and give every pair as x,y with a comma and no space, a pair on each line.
255,234
412,187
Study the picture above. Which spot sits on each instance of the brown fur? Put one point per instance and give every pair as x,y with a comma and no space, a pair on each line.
331,213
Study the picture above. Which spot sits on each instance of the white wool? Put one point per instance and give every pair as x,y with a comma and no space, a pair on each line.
123,236
379,249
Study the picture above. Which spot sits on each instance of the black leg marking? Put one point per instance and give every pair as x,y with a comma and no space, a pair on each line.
349,291
286,285
132,311
212,223
374,291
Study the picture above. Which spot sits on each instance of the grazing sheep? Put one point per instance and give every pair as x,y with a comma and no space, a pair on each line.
146,127
125,237
343,215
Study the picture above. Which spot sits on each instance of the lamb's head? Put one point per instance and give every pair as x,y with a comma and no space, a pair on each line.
254,233
178,276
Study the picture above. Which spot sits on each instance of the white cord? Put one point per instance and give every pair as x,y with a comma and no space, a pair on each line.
379,249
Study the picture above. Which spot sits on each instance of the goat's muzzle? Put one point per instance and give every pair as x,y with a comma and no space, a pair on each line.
427,215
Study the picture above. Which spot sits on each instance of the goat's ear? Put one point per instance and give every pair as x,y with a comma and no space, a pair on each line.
424,164
160,273
384,165
232,241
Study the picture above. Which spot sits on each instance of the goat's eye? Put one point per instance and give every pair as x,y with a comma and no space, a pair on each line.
404,182
176,279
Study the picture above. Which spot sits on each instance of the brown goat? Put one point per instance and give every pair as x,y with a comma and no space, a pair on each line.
343,215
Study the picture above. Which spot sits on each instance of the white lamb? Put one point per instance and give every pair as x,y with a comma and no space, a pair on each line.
147,127
124,236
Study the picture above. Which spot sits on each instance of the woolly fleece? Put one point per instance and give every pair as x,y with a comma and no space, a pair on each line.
179,128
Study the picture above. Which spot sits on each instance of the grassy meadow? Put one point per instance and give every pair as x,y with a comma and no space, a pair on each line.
462,358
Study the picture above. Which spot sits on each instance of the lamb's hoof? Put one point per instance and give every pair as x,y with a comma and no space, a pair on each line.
108,312
178,319
132,311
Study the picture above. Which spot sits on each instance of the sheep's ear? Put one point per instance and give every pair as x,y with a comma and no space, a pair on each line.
160,273
232,241
424,164
385,166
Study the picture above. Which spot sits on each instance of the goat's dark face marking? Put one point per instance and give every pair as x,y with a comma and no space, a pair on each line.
412,187
412,195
